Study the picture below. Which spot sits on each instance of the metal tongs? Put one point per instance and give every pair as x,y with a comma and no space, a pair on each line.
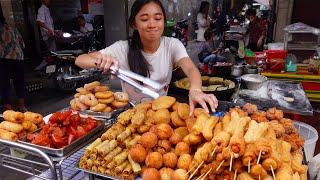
132,78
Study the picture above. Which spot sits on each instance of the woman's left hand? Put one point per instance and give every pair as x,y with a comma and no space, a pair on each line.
197,96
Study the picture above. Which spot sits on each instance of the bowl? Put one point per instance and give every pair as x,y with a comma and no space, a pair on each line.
253,81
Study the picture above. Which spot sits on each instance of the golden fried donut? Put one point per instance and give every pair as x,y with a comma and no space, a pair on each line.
89,100
77,95
121,96
73,105
98,107
103,95
92,85
80,105
118,104
163,102
106,101
101,88
107,109
82,91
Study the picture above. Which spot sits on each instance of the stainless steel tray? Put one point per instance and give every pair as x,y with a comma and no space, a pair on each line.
65,150
101,115
94,173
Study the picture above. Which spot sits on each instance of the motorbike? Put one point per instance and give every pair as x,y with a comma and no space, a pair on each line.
180,30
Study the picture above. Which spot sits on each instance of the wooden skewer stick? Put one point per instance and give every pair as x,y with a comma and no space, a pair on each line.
191,169
259,156
235,175
199,178
220,165
214,150
206,174
274,176
259,177
249,166
194,172
230,168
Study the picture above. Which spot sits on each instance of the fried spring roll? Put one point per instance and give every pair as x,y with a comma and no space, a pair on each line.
12,116
113,132
120,158
133,142
104,150
111,165
90,163
93,144
33,117
127,170
101,170
99,146
10,126
121,167
126,133
7,135
135,166
108,158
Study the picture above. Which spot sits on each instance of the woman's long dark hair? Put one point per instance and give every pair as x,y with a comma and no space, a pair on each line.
137,62
2,19
203,6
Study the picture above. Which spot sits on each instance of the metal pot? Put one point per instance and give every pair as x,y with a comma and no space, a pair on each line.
250,69
237,70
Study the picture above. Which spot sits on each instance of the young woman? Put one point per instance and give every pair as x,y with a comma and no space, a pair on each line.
150,54
203,20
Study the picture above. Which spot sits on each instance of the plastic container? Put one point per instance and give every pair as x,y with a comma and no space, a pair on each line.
276,54
310,136
253,81
275,46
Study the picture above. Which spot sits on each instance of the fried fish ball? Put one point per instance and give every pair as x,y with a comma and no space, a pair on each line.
180,174
148,140
162,116
182,148
138,153
175,138
176,120
164,131
183,110
163,102
170,160
154,160
151,174
166,173
164,145
184,161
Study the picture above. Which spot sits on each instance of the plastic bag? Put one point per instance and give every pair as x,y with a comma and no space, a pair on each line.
314,167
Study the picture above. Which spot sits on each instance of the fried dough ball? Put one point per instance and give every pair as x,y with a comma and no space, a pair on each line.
184,161
146,105
139,117
161,116
175,138
198,111
164,131
154,160
182,131
182,148
148,140
138,153
163,102
150,116
175,106
183,110
153,129
190,122
274,113
151,174
176,120
180,174
250,108
165,144
170,160
166,173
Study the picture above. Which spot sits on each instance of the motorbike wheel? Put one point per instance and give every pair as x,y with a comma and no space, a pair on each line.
67,86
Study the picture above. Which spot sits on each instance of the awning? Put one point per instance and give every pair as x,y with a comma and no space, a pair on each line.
264,2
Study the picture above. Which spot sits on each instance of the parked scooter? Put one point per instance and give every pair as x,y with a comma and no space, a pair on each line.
180,30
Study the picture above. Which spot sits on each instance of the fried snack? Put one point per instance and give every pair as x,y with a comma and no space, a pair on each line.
126,133
190,123
127,171
244,176
138,153
162,116
73,104
151,174
118,104
207,130
198,111
170,160
121,96
80,105
184,161
201,122
107,109
175,106
296,163
258,171
144,128
113,132
269,163
255,131
234,122
284,172
121,167
93,144
92,85
218,128
98,108
163,102
166,173
133,141
295,140
101,170
264,146
182,131
7,135
237,142
259,116
10,126
125,117
176,120
284,148
226,120
182,148
203,153
12,116
154,160
277,127
120,158
148,140
32,128
183,110
250,108
106,101
135,166
26,124
249,155
82,91
221,140
33,117
139,117
175,138
108,158
89,100
164,131
105,149
180,174
103,95
274,113
77,95
146,105
100,88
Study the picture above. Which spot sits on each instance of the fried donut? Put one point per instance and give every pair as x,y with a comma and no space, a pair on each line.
118,104
80,105
98,107
89,100
103,95
101,88
82,91
121,96
106,101
73,105
107,109
92,85
77,95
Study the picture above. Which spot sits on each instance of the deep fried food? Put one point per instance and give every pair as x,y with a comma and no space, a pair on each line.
198,111
203,153
175,138
138,153
274,113
175,106
82,91
10,126
151,174
221,140
163,146
262,145
154,160
121,96
139,117
118,104
182,148
73,105
284,172
258,171
162,116
184,161
146,105
190,123
237,143
183,110
98,107
7,135
103,95
170,160
296,164
250,108
107,109
125,117
249,155
144,128
259,116
89,100
164,131
208,129
148,140
255,131
91,86
33,117
166,173
12,116
182,131
80,105
107,100
101,88
180,174
277,127
288,125
176,120
163,102
294,139
200,123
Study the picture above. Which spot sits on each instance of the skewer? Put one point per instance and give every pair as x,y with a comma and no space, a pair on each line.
259,156
235,175
274,177
220,165
199,178
194,172
259,177
206,174
214,150
230,168
249,166
191,169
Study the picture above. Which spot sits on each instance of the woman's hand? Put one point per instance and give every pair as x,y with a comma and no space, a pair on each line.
104,62
197,96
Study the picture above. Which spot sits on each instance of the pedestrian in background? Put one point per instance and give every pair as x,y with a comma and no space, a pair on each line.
203,20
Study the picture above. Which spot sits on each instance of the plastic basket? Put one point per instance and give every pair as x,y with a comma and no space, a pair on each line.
310,136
